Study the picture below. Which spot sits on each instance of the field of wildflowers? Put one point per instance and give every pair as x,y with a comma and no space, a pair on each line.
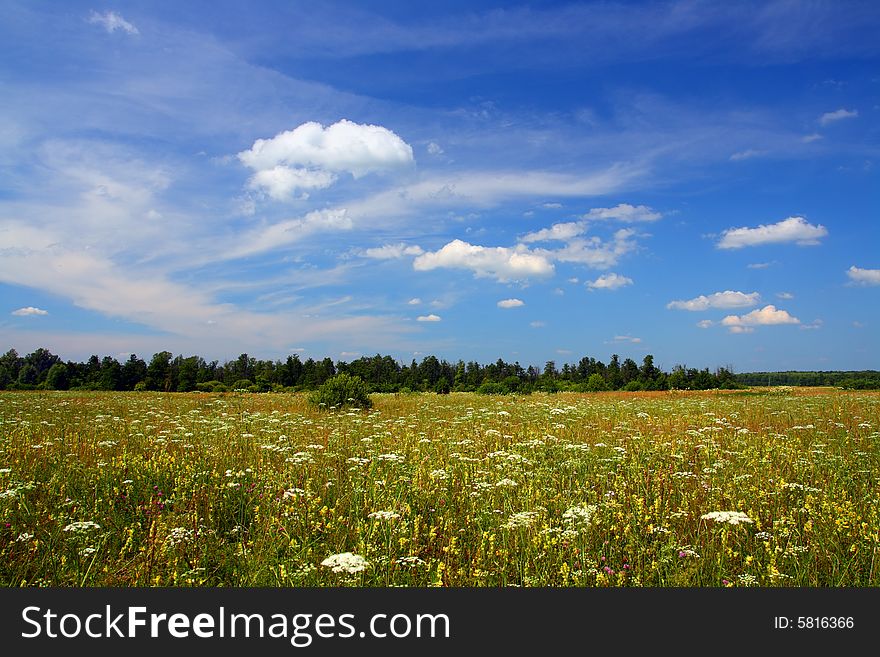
771,488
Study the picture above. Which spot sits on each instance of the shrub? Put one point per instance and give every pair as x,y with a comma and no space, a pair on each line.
341,391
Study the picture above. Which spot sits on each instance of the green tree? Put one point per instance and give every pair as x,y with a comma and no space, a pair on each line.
57,377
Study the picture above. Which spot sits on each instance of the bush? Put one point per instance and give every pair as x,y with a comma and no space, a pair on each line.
342,391
242,384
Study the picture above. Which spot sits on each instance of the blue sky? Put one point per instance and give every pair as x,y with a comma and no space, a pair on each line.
540,181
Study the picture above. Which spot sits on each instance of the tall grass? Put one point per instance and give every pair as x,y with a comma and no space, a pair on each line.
608,489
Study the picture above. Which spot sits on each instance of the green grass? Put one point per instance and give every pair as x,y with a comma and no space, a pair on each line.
605,489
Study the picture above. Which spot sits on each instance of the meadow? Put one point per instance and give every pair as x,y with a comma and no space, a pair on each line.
745,488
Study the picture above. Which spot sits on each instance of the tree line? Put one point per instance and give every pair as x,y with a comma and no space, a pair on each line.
42,370
166,372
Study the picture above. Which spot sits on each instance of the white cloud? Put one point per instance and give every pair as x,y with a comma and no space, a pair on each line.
741,329
837,115
565,231
624,212
281,183
29,311
283,233
434,149
809,139
726,299
593,252
538,324
428,318
551,206
610,281
310,156
557,232
415,301
863,276
793,229
501,263
759,265
705,323
111,21
812,326
510,303
627,338
393,251
746,155
788,296
766,316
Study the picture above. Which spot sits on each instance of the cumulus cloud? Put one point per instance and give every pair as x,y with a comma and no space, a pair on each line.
861,276
310,156
434,148
510,303
393,251
561,232
29,311
766,316
501,263
428,318
595,252
282,183
610,281
111,21
705,323
726,299
741,329
837,115
624,212
793,229
566,231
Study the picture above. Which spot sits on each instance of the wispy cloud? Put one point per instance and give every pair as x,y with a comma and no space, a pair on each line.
837,115
793,229
111,21
393,251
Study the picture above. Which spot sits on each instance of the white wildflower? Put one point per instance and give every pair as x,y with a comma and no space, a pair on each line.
346,562
730,517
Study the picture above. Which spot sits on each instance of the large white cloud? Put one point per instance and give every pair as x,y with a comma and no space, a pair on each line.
864,276
502,263
726,299
768,315
310,156
610,281
793,229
